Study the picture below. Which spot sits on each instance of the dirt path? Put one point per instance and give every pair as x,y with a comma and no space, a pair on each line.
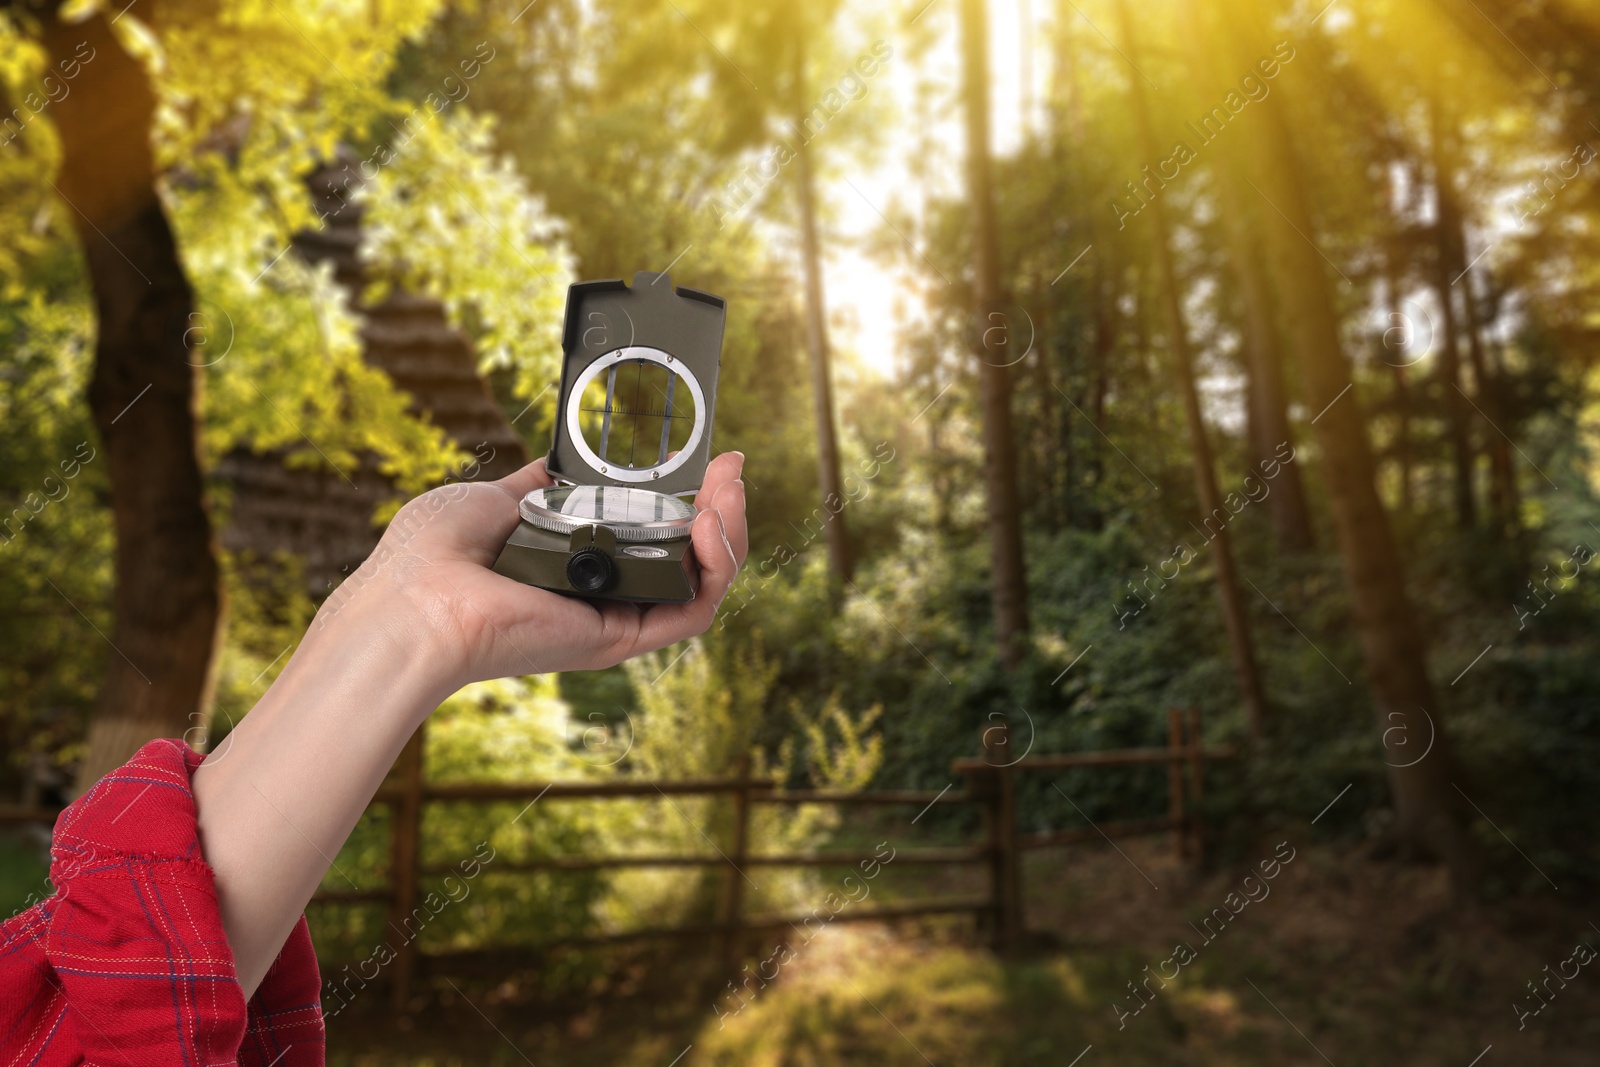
1332,960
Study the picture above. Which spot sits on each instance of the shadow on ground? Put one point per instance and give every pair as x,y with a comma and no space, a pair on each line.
1341,960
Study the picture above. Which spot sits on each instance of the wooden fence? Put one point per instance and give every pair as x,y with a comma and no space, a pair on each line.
991,784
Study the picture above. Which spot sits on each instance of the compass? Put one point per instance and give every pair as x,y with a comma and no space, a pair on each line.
632,438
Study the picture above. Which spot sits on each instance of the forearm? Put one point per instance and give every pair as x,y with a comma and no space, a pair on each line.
427,615
280,795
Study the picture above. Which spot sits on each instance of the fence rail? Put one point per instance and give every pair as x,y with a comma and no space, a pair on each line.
23,815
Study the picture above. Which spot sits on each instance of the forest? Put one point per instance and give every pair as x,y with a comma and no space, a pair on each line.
1103,371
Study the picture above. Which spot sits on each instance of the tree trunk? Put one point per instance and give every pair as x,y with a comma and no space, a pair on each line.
1428,812
838,541
1452,250
1064,77
1504,472
1233,612
1504,504
1009,579
1053,480
1291,517
1268,400
1404,458
1452,395
143,395
1105,343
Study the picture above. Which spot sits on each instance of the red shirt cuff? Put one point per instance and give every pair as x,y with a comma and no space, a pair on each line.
128,962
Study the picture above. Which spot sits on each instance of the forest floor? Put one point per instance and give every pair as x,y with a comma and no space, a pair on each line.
1346,961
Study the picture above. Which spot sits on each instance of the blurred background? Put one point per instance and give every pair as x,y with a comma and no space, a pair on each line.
1168,425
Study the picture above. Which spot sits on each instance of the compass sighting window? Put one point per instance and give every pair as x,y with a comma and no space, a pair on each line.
635,413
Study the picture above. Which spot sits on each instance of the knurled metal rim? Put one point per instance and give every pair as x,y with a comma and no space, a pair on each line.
546,518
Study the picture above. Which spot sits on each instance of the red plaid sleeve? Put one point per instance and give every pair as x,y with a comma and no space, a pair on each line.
127,963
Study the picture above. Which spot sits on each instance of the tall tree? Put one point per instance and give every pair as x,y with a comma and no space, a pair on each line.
1398,335
1268,398
1452,396
167,604
836,532
1503,497
1428,812
1502,473
1205,477
1450,244
1008,581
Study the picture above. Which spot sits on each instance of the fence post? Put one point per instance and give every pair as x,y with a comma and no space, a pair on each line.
733,883
1197,774
404,857
1175,807
1004,853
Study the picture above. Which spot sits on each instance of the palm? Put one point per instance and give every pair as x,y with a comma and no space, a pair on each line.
494,626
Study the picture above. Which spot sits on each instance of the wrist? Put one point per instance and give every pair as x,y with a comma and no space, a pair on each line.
378,630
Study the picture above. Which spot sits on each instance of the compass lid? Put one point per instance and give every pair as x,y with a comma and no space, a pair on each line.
638,384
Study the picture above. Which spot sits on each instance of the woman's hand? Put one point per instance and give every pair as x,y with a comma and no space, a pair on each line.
430,576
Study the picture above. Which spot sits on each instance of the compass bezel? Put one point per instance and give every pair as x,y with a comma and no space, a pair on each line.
539,509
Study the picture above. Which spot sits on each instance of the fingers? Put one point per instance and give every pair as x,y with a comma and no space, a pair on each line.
714,548
721,541
483,514
728,503
514,487
520,483
725,468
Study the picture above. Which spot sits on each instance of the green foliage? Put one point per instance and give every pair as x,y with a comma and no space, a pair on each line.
55,535
24,875
849,763
694,721
246,110
268,612
446,193
699,718
507,731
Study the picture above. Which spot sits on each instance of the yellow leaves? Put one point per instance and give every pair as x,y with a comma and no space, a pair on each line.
250,100
251,95
845,753
30,224
141,43
21,58
77,10
308,75
510,729
283,367
32,219
461,226
50,335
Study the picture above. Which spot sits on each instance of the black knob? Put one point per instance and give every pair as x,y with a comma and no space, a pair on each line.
589,570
